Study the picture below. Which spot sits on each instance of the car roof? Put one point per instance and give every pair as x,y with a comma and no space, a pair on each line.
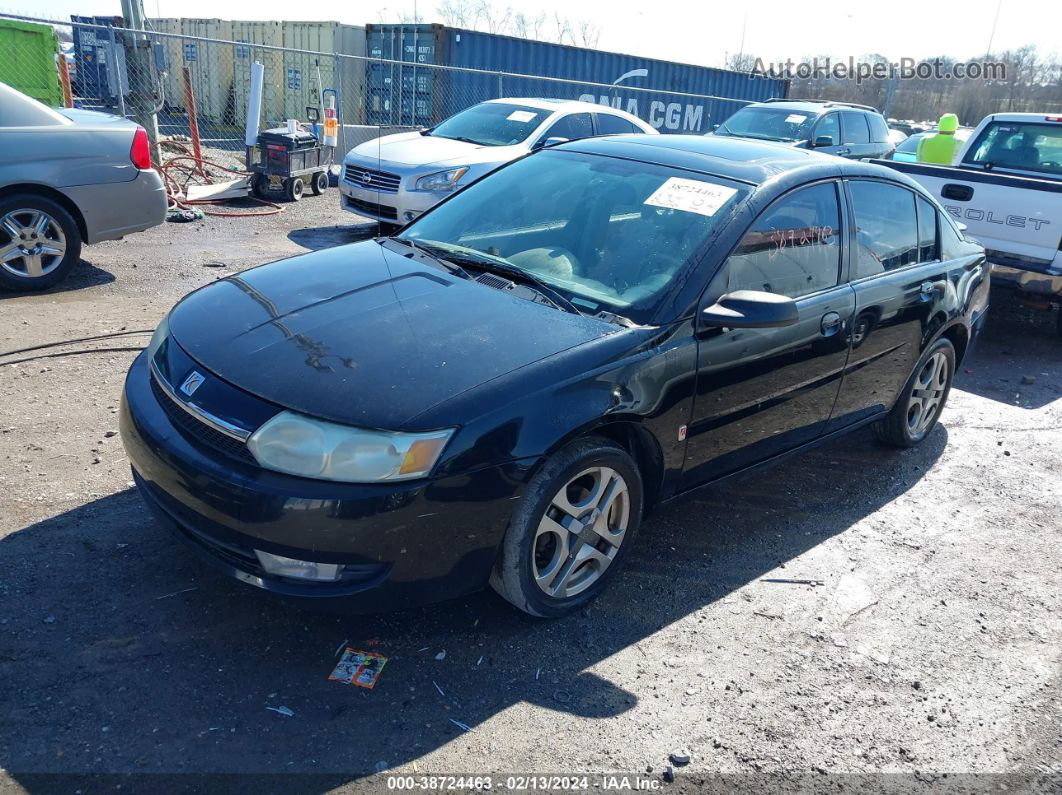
738,159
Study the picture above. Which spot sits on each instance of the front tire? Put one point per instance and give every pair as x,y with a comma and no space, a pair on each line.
919,405
294,188
40,242
319,183
570,532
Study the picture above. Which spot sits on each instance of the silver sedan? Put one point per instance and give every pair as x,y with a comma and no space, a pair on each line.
68,177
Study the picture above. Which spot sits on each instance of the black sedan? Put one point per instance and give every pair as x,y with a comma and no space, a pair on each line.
500,392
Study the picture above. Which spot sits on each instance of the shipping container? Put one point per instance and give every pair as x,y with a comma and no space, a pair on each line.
324,40
27,60
249,34
170,75
211,66
97,49
412,94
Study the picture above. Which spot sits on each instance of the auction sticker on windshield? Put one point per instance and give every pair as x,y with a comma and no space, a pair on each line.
691,196
520,115
795,118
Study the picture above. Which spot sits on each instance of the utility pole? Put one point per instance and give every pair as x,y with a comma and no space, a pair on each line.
139,59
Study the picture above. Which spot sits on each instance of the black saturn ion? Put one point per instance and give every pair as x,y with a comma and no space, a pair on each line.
499,393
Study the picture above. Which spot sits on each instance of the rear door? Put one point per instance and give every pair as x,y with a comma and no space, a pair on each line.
763,391
901,285
855,135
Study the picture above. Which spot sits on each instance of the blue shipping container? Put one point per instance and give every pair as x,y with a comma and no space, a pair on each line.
96,83
400,94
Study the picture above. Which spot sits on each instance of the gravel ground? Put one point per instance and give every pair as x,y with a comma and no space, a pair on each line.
930,648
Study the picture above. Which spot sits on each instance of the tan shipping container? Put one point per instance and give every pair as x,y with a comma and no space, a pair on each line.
211,66
250,33
324,40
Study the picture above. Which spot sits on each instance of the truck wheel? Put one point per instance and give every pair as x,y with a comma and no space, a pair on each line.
571,530
260,186
320,183
294,188
40,242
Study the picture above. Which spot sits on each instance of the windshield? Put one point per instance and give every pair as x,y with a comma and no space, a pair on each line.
608,234
770,124
492,124
1021,146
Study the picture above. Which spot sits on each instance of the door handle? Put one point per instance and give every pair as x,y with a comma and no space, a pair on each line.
831,324
844,151
959,193
927,290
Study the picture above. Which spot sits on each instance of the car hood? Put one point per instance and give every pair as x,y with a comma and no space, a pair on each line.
415,149
362,335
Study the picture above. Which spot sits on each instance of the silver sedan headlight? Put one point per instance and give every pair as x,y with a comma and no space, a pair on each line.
441,180
300,445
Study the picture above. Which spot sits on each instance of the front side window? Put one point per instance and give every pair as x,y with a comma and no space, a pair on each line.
855,128
492,124
794,248
607,233
1019,145
571,127
886,228
769,124
828,127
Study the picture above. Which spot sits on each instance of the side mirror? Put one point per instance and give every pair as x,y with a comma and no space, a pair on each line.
544,143
824,140
751,309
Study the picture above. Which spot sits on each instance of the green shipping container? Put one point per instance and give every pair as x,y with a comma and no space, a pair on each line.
27,60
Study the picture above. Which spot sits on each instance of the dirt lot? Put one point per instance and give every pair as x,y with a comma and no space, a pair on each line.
931,647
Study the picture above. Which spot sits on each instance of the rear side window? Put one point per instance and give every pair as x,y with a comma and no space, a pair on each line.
879,130
855,128
927,231
886,228
793,248
573,126
607,124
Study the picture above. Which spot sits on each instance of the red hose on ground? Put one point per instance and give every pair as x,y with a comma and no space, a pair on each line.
192,170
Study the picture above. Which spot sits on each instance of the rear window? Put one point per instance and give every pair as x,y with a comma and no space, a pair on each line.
879,130
1020,146
18,110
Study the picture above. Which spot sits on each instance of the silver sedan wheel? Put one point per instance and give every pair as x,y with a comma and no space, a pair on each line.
35,244
929,387
581,532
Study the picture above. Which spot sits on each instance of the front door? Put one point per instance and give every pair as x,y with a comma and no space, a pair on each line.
764,391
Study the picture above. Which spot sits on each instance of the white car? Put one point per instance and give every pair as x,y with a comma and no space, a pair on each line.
395,178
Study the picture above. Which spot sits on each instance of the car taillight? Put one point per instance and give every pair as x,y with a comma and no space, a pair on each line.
140,152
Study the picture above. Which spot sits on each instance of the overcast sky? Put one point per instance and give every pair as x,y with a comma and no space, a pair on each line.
690,31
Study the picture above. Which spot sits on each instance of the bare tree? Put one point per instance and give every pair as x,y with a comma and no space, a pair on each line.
458,13
589,33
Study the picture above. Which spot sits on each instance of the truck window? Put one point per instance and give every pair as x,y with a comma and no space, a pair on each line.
1022,146
793,248
886,228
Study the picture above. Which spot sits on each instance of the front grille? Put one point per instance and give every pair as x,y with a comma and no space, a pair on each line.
198,431
373,209
372,179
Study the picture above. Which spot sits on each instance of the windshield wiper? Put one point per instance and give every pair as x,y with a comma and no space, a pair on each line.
490,264
420,248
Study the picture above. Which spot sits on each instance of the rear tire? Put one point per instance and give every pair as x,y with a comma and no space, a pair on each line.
294,188
919,405
319,183
40,242
569,534
260,186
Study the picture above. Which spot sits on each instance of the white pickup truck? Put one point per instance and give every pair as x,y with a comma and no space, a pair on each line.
1006,187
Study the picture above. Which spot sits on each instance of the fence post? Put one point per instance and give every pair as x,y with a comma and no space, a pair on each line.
339,103
64,81
119,88
193,119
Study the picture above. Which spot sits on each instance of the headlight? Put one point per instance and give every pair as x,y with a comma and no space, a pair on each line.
441,180
300,445
162,331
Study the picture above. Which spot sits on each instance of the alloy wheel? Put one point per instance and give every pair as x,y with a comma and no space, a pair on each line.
581,531
35,244
927,394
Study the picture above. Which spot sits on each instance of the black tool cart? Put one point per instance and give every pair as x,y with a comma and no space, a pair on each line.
288,162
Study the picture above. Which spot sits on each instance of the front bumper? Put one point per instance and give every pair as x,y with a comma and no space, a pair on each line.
401,544
399,206
114,209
